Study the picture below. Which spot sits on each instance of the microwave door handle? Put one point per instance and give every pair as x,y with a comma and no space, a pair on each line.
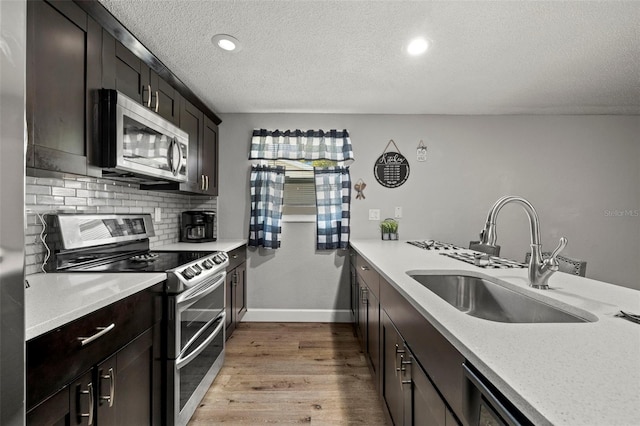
180,153
170,155
174,166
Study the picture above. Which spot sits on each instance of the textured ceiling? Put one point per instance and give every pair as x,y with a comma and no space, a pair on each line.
487,57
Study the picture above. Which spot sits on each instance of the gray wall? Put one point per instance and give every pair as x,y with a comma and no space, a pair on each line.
580,172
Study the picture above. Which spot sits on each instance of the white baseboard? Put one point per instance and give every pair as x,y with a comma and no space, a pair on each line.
297,315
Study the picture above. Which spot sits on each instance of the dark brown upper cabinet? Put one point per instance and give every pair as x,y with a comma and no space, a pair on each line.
209,156
203,150
124,71
63,73
202,169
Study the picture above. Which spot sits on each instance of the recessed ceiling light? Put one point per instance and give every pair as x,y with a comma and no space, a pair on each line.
417,46
226,42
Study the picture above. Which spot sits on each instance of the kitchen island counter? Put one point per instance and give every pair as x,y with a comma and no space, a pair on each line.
555,373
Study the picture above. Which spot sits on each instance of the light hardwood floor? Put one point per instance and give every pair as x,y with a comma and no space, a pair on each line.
282,373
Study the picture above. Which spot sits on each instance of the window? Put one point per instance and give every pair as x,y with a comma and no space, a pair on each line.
299,187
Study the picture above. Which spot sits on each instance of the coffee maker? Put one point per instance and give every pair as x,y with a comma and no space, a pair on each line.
197,226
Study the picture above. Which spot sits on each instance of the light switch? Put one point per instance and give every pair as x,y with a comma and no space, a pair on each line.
157,213
398,213
374,214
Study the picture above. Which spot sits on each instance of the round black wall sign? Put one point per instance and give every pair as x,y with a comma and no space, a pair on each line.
391,169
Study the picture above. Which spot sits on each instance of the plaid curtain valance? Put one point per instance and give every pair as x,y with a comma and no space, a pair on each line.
333,202
267,189
301,145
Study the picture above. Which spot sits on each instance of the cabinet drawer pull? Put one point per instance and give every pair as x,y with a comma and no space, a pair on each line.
235,256
89,415
101,332
112,387
365,268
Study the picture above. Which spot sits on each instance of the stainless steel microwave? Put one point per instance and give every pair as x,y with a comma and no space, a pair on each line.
136,144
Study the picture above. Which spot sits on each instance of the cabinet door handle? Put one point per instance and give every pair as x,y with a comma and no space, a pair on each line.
157,101
112,387
149,100
89,415
364,295
403,370
207,177
101,332
395,361
202,182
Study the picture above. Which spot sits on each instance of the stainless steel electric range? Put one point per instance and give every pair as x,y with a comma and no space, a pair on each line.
193,335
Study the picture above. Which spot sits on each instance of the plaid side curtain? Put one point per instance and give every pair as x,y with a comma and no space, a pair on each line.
333,201
267,188
299,145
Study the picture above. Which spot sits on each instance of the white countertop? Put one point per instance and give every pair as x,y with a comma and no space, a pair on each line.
220,245
52,300
560,374
55,299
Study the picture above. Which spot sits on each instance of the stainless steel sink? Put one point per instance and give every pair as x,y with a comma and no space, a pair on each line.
485,299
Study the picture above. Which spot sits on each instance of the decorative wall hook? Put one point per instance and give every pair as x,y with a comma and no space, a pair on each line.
359,187
421,151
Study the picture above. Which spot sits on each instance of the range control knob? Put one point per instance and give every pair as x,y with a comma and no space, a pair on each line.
188,273
217,259
197,269
207,264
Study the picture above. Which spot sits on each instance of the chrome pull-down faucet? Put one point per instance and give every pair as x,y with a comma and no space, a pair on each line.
539,269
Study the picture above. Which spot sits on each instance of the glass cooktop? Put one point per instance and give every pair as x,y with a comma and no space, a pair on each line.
151,261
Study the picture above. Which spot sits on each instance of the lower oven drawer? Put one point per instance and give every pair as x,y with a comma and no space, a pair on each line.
56,358
191,374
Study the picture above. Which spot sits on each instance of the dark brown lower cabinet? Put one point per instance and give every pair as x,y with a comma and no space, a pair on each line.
353,281
102,369
409,394
368,326
393,356
417,372
115,392
236,289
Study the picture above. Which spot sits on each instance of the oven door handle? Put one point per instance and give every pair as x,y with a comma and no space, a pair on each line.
199,292
181,361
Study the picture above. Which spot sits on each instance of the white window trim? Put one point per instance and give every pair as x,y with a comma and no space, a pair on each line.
299,218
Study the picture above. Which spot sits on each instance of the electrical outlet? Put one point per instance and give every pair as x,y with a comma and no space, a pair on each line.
157,212
398,213
374,214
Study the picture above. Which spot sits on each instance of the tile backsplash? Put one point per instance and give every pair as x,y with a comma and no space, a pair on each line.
72,194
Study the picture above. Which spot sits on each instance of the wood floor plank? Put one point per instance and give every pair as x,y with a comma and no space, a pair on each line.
291,373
